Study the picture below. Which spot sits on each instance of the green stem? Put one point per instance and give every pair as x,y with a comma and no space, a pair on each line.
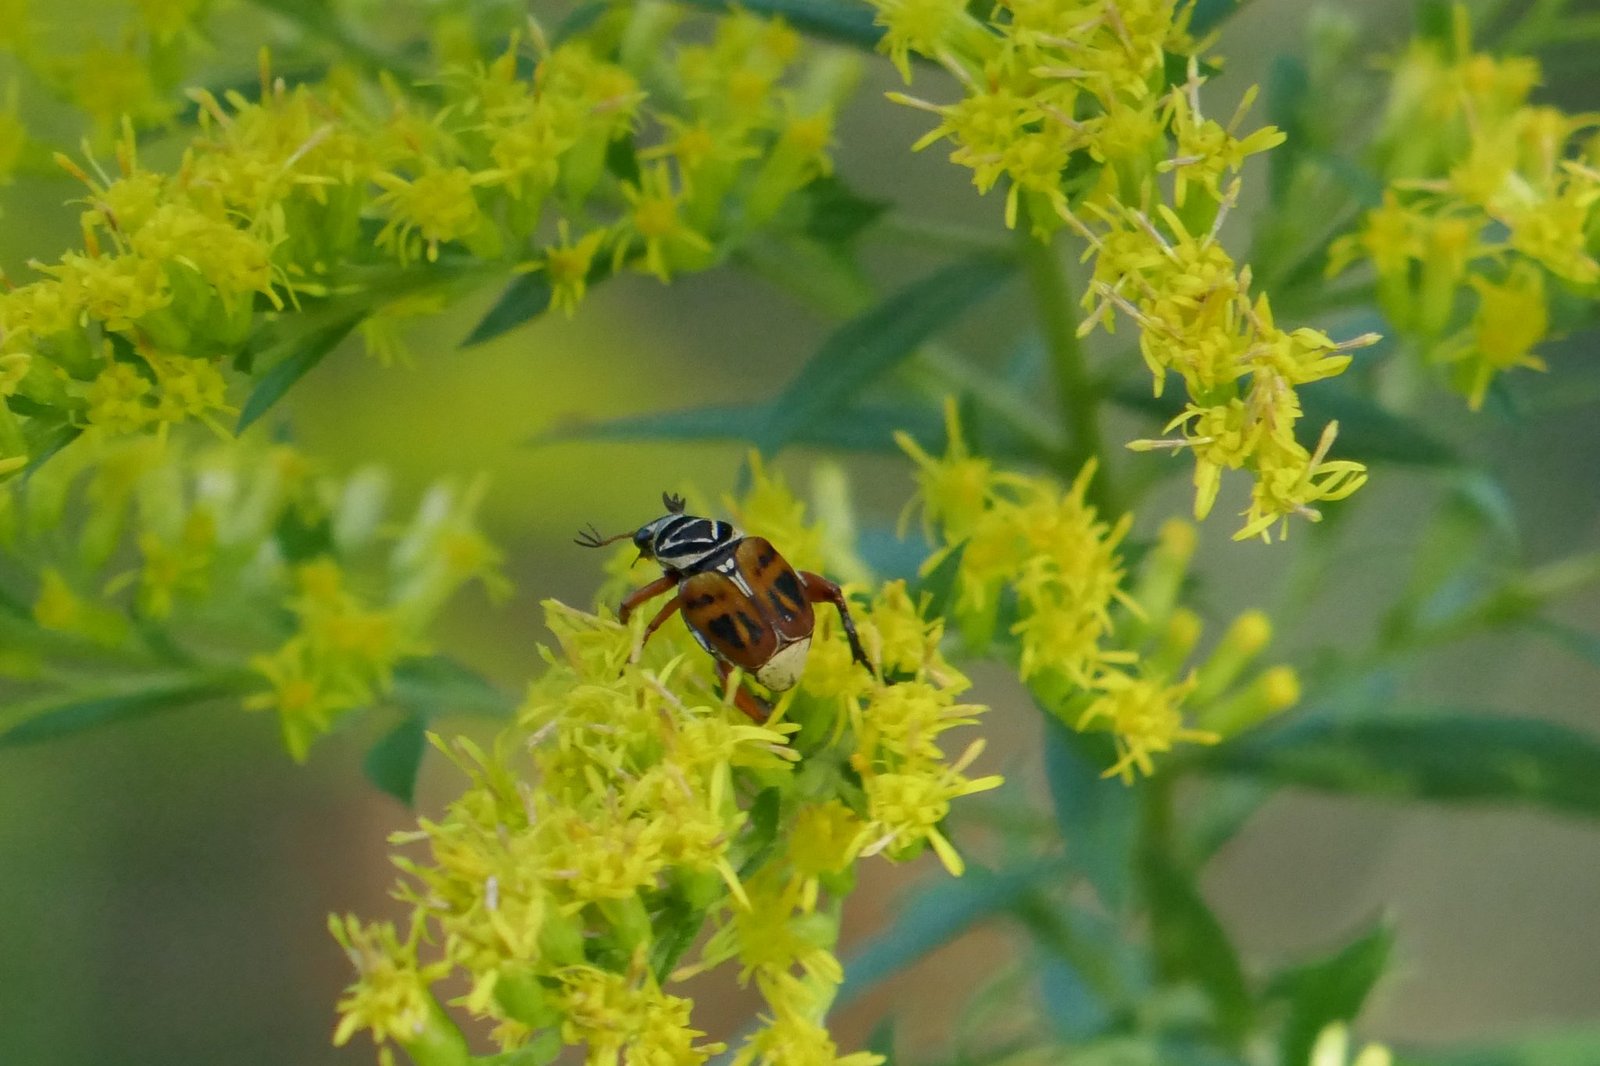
1077,395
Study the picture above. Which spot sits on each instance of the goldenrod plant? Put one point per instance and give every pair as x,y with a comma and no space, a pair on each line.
1284,293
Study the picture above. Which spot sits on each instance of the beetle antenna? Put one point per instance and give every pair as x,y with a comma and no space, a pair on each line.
589,537
673,501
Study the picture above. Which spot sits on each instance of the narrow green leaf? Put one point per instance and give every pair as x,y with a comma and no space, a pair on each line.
40,451
940,584
837,213
873,342
432,685
834,20
49,719
882,1041
622,159
1098,817
1219,815
1445,757
937,916
762,832
1580,642
862,427
1332,989
1561,1047
306,353
1191,945
300,538
1288,86
578,20
392,763
1209,14
1075,1013
526,298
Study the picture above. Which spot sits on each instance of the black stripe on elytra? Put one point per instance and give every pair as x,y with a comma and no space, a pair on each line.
751,627
723,629
787,585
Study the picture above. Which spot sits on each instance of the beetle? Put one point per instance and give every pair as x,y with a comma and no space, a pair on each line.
742,600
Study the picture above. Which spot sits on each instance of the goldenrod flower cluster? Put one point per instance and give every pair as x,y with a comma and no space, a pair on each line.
111,60
197,551
296,214
1074,104
631,805
1492,208
1038,569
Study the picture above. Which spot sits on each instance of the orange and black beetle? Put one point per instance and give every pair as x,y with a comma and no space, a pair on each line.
742,601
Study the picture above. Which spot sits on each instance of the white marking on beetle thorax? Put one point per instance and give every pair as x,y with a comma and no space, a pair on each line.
782,671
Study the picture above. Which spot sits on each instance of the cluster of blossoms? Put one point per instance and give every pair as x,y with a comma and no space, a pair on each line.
1038,567
133,68
1492,203
180,557
1075,105
631,805
297,215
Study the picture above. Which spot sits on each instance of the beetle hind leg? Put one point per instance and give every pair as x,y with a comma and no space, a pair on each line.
743,698
820,590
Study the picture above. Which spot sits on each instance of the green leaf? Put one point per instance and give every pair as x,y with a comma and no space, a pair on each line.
1562,1047
1209,14
1580,642
55,716
861,428
48,444
882,1041
1098,817
1074,1011
299,539
432,685
762,833
1190,944
1329,990
526,298
837,213
1444,757
304,354
937,916
847,23
940,584
875,341
392,763
1218,816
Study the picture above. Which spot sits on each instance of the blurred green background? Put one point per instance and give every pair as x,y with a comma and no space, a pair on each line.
164,885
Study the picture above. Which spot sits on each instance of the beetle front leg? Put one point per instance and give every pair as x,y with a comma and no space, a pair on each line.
820,590
742,698
649,592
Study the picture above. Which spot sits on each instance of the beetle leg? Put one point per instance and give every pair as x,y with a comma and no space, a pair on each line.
668,609
742,698
818,590
649,592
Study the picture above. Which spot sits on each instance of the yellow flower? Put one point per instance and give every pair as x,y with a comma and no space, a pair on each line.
390,996
1512,317
1145,719
434,208
653,219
